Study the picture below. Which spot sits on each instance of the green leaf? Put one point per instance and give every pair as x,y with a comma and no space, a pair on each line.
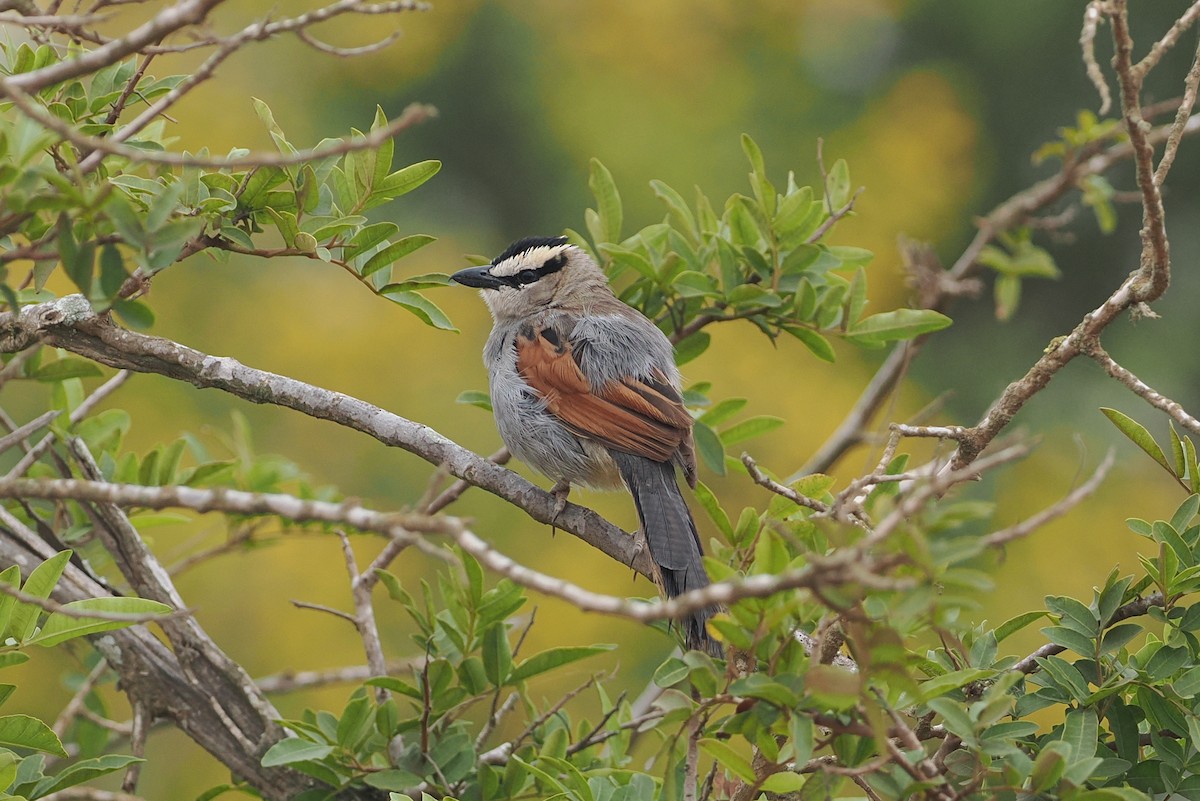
709,446
837,185
406,179
948,682
475,397
728,758
78,260
782,782
1186,511
11,576
394,252
1138,435
40,584
59,627
608,201
83,771
371,235
355,723
555,658
879,329
752,427
1081,730
394,779
1049,766
112,273
137,315
817,344
23,731
1070,638
713,507
671,672
678,209
691,347
63,369
1118,636
1165,662
424,309
723,411
497,654
292,750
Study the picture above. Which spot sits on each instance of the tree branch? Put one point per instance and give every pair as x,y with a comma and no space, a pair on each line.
70,323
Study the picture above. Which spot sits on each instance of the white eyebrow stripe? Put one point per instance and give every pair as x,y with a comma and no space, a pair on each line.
530,259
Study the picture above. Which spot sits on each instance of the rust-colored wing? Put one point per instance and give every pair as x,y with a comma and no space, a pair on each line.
644,417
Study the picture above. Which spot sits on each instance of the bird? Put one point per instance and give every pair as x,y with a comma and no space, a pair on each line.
585,389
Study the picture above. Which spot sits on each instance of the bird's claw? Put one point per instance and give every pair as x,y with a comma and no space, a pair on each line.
560,491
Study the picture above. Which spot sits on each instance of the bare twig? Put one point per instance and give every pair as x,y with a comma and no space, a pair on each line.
364,616
306,679
75,705
81,411
1073,499
1087,42
414,114
329,610
1190,85
763,480
1143,390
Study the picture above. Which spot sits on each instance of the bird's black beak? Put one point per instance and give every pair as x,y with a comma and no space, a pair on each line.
477,277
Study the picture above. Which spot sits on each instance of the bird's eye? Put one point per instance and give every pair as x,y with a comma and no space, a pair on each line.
527,276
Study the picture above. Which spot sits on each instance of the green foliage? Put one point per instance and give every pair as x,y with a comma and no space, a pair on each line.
25,776
399,733
111,224
759,259
1016,261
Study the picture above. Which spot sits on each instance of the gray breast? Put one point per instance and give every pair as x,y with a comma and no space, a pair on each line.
532,433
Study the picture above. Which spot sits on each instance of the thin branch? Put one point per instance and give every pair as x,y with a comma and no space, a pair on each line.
1073,499
364,615
455,490
71,323
1190,85
80,412
1169,39
413,114
763,480
76,704
1012,212
843,567
174,17
1143,390
938,432
137,745
329,610
345,52
834,217
22,432
1155,270
1092,17
308,679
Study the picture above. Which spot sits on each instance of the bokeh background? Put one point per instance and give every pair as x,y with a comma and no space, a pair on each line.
936,105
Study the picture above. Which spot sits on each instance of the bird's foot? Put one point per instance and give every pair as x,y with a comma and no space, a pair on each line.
639,544
560,491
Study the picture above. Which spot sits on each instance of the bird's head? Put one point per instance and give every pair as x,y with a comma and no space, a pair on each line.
534,274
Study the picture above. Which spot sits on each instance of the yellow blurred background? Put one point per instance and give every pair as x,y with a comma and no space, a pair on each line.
935,105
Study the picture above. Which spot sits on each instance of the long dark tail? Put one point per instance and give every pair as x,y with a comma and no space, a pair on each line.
671,534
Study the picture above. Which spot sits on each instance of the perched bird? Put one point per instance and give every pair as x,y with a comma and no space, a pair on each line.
585,389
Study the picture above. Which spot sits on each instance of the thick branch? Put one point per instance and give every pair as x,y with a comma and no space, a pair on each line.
70,323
